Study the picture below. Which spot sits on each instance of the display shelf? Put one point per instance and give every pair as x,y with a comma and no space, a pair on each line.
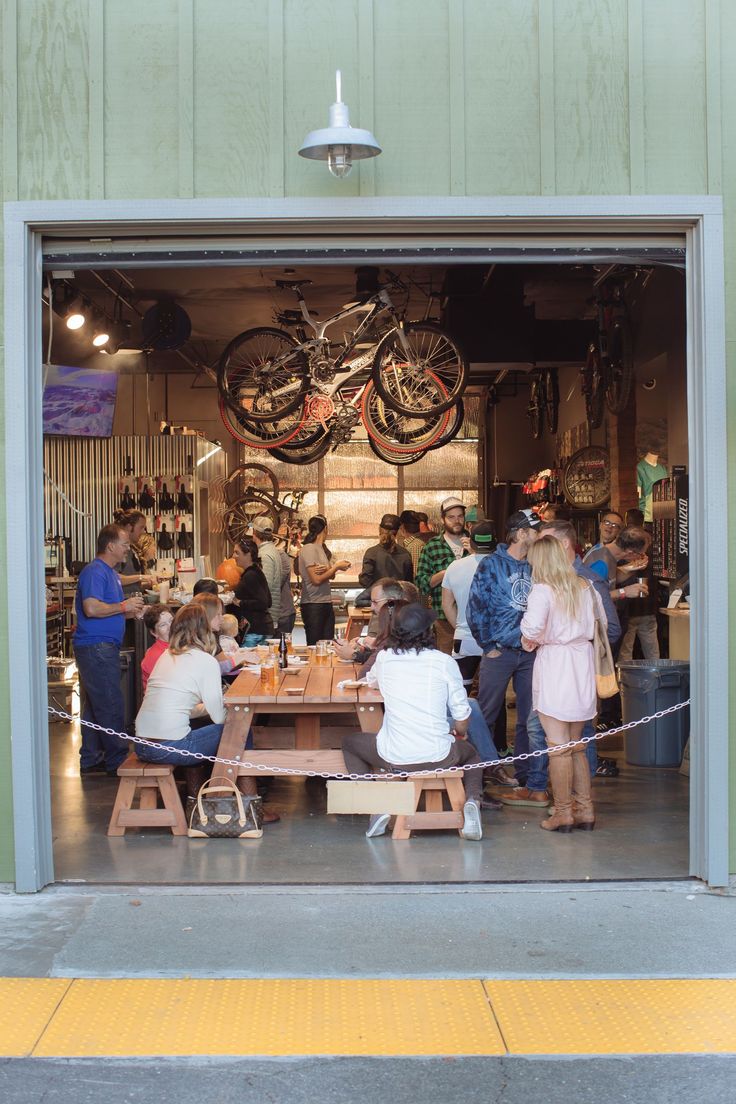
670,528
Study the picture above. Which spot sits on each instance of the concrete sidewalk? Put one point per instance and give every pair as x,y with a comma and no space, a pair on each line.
621,930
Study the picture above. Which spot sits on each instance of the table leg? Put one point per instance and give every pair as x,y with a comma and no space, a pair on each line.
232,746
370,717
306,731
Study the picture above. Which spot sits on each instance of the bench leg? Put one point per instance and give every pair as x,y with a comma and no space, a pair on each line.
123,802
456,794
149,797
172,802
401,830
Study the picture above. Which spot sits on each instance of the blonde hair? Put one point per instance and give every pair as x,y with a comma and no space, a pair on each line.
229,625
210,603
191,629
550,565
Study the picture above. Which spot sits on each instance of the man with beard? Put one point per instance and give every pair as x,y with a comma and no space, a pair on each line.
387,559
452,544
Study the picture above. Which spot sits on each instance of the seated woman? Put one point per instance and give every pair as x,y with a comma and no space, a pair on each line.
252,595
157,620
185,683
420,686
215,610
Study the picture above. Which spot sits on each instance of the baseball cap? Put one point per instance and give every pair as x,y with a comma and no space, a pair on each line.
390,521
483,536
451,503
523,519
262,525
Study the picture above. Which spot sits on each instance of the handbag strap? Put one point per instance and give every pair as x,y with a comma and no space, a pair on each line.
224,787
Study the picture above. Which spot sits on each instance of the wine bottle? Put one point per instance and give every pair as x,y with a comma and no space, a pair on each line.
283,652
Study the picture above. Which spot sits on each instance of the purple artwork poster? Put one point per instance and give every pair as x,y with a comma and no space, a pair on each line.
78,402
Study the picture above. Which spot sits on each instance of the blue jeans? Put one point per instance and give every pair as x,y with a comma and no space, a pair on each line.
102,703
537,778
206,740
479,733
511,665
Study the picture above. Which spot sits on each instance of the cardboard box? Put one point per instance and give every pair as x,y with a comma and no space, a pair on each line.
370,797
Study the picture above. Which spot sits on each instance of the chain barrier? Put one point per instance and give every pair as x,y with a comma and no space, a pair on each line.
199,757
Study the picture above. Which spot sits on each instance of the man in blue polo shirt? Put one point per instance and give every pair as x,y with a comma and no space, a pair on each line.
101,614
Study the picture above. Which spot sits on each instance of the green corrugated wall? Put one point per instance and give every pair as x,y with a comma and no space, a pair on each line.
164,98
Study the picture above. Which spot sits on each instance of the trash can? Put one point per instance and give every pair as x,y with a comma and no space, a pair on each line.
647,686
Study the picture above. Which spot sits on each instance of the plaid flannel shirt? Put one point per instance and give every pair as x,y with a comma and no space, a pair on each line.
436,556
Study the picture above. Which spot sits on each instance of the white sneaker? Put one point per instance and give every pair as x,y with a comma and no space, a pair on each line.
377,824
472,828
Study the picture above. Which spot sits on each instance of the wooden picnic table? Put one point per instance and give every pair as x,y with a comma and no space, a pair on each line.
320,695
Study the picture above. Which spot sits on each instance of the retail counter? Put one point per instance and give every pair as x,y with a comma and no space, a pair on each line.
679,619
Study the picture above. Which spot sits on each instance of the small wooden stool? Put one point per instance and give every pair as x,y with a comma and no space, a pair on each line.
434,816
147,780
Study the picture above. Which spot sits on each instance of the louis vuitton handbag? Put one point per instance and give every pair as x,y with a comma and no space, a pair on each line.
605,668
222,812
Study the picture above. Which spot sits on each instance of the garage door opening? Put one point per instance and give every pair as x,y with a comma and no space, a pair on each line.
535,432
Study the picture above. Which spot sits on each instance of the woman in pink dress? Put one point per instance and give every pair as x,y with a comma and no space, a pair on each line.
560,623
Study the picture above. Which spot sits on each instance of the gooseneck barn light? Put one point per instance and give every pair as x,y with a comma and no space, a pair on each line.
339,144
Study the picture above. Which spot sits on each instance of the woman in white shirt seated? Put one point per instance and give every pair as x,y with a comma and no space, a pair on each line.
184,684
420,686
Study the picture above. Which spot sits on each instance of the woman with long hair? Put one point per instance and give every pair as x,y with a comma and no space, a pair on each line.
252,595
185,683
559,624
317,568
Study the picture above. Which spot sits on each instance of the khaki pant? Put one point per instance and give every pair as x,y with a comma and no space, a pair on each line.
444,633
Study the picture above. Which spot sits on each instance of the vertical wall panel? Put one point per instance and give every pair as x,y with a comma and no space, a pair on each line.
591,97
674,96
141,98
412,97
53,100
231,105
502,98
320,36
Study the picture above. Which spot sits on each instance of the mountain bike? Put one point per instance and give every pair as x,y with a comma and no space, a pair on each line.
609,367
544,402
270,382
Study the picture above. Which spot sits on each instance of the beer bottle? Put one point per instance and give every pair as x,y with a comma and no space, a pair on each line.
283,652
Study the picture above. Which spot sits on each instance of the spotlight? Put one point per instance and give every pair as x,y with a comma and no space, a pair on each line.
76,316
70,305
100,332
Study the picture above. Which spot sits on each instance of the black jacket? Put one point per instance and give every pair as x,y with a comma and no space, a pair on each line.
253,600
379,563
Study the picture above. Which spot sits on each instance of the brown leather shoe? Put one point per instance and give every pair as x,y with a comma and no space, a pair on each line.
270,818
498,776
522,796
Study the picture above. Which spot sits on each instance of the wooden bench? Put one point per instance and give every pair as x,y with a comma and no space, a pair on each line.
146,781
434,815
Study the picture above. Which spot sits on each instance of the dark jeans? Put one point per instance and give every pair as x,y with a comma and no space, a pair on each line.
102,703
206,740
361,757
319,621
510,665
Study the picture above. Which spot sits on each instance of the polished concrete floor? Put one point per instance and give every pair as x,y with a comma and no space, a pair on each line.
642,833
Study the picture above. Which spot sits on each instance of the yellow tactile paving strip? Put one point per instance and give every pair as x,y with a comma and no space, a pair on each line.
616,1017
271,1017
125,1017
26,1006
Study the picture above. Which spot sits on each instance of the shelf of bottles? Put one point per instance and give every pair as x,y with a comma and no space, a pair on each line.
670,527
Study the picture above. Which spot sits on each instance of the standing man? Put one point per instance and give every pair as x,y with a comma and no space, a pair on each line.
271,564
408,537
437,555
611,524
455,591
101,613
615,561
535,790
496,605
387,559
285,623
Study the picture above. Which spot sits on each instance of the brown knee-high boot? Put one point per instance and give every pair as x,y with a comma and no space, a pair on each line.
560,777
582,801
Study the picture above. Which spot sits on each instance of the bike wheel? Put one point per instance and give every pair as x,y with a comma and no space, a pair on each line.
401,459
258,436
239,517
551,398
263,374
621,366
593,389
304,454
535,409
406,358
251,476
401,432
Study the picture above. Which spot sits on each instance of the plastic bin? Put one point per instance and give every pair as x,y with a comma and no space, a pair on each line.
647,686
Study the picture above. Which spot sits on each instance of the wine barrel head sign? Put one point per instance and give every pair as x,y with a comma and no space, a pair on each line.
587,478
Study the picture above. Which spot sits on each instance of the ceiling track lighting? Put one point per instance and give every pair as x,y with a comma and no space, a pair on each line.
100,330
339,144
69,305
